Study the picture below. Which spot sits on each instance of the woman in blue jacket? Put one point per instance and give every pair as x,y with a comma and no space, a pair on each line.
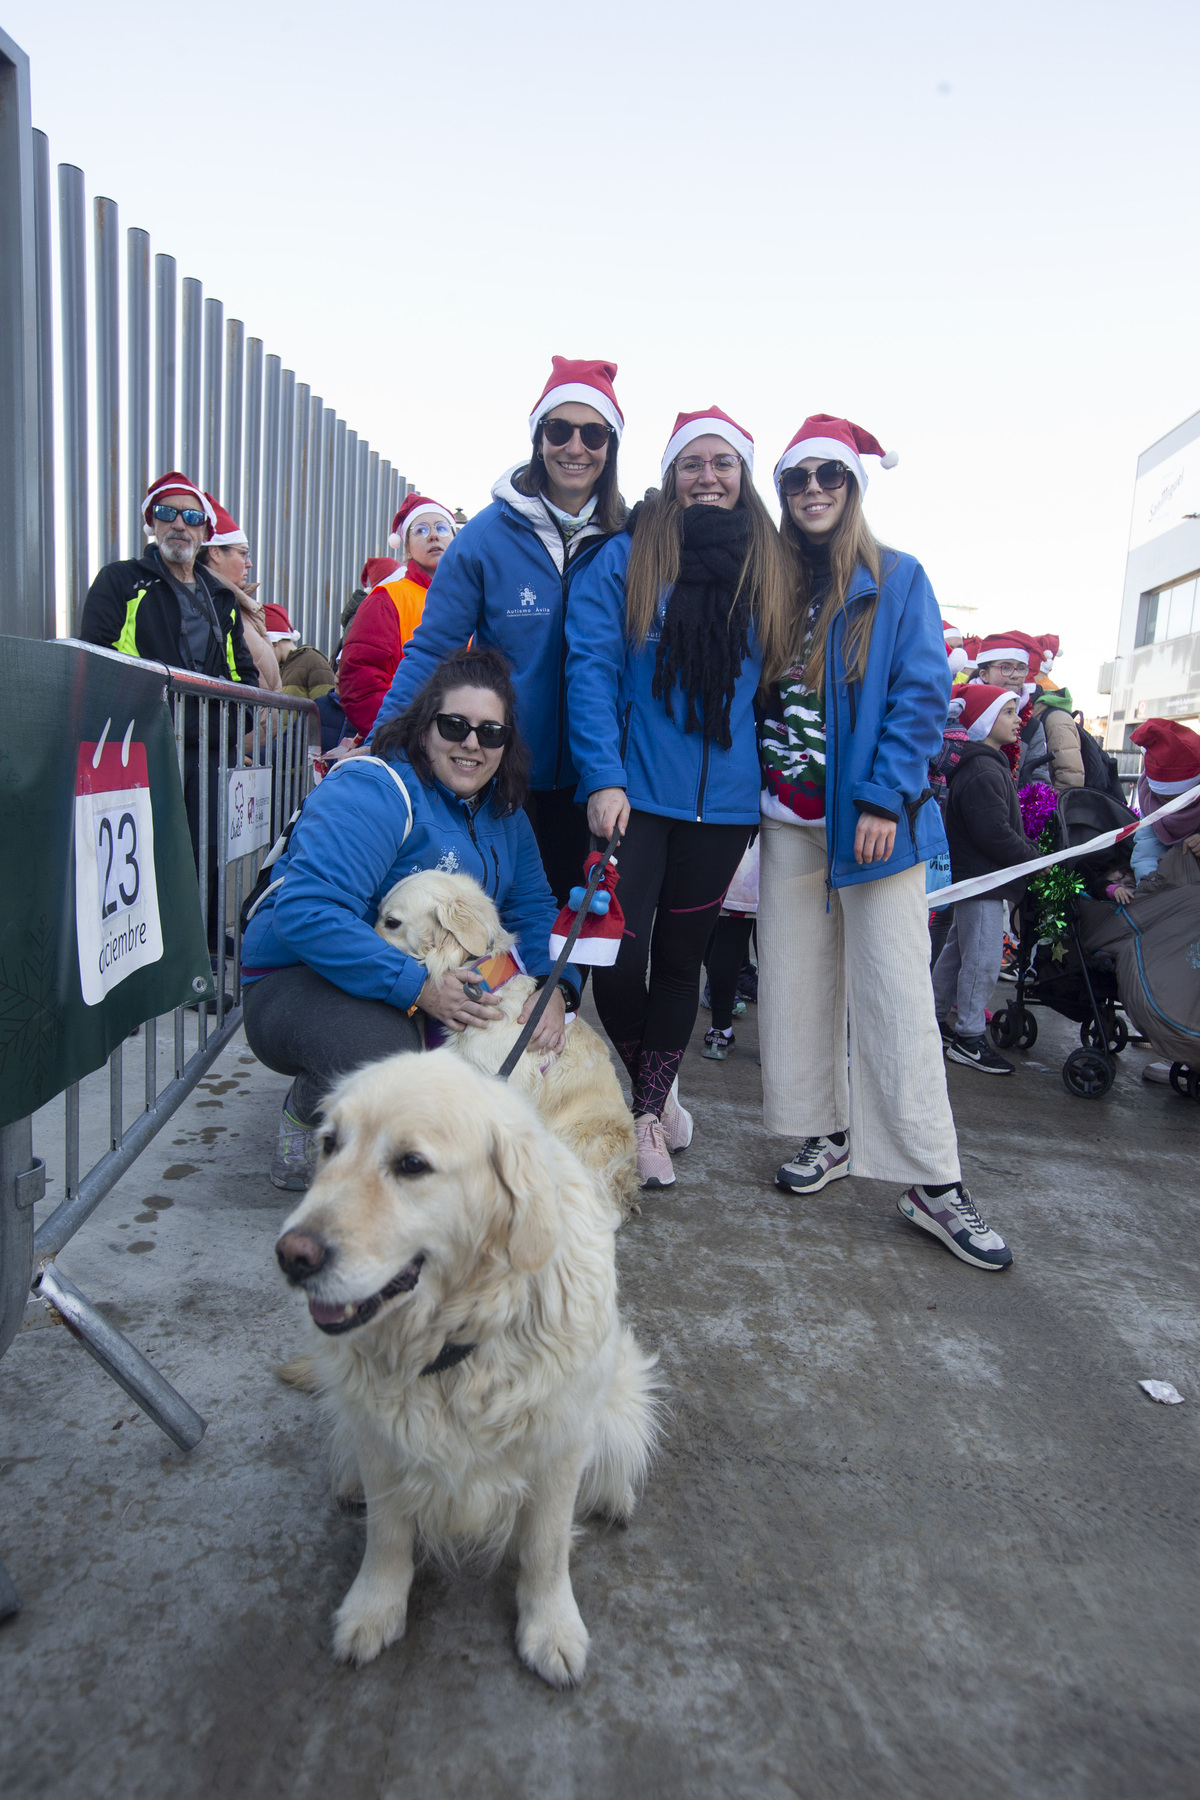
848,824
667,630
507,580
324,994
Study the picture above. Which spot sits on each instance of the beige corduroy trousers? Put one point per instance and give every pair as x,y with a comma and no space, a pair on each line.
862,966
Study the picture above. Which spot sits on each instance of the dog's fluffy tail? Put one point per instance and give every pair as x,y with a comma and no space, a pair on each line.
630,1426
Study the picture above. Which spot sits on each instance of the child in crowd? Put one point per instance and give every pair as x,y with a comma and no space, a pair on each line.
984,829
726,958
1171,766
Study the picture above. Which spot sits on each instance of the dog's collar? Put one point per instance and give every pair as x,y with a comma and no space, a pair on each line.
494,971
448,1355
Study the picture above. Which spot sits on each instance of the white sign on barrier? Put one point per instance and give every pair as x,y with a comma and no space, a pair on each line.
249,825
117,925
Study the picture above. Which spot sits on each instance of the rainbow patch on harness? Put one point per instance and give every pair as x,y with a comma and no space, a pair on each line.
494,971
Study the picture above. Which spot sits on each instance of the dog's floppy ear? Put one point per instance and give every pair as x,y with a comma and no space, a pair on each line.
532,1190
460,920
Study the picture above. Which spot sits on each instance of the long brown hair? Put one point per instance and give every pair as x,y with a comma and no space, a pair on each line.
611,511
853,542
654,568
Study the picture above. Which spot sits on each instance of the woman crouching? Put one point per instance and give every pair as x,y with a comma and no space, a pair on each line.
323,993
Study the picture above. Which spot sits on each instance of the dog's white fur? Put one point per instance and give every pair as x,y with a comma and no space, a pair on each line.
553,1412
444,921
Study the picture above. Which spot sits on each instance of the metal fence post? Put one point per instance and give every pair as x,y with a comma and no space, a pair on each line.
371,525
312,523
336,582
108,378
45,380
214,314
230,493
383,523
252,472
300,499
72,237
191,387
328,497
164,363
20,488
361,488
137,312
287,463
349,571
266,553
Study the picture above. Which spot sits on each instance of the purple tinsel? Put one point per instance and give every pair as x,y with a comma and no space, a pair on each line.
1038,801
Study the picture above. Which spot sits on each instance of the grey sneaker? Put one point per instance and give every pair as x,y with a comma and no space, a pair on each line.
955,1220
816,1163
295,1157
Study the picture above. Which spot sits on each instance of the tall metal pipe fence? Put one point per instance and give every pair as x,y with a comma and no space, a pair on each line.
117,347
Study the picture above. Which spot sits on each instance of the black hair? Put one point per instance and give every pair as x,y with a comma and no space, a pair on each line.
477,668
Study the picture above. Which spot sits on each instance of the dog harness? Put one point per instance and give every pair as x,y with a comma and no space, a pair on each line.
447,1356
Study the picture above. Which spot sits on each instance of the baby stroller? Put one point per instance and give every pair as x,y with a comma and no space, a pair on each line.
1063,977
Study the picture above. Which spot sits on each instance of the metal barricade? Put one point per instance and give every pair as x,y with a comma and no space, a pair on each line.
255,749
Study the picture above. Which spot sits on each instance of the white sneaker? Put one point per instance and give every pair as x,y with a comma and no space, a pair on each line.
653,1164
816,1163
677,1121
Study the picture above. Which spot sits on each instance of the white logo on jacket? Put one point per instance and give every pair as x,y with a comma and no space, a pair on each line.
448,860
527,605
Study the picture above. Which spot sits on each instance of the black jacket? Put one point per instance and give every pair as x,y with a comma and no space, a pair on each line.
131,606
983,819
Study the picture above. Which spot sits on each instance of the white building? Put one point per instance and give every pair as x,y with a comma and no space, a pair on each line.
1156,672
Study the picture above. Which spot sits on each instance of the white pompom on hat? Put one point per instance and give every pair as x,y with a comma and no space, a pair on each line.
839,439
712,422
226,530
414,504
590,383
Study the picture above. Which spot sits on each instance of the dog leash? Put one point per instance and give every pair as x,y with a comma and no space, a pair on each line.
564,956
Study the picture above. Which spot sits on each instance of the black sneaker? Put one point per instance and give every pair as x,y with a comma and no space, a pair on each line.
977,1053
947,1030
717,1044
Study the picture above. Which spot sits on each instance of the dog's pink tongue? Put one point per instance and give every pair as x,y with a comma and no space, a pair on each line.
328,1315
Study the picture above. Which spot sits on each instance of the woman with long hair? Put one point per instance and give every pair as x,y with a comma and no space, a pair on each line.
668,632
853,714
507,580
323,993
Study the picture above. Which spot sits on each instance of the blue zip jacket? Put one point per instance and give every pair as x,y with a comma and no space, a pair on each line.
505,581
881,733
348,849
621,735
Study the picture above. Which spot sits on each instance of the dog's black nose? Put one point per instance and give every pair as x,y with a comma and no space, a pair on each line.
301,1254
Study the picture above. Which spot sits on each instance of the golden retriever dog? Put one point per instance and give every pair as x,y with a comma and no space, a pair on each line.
457,1260
447,920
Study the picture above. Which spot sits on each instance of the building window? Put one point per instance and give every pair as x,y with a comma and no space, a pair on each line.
1146,620
1170,613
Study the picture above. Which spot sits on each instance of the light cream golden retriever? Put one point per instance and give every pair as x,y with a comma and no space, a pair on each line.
447,920
458,1264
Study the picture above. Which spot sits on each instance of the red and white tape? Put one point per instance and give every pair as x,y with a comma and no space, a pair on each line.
983,884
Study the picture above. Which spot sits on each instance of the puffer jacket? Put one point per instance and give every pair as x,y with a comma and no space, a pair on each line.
506,580
375,644
349,848
254,629
983,819
1050,749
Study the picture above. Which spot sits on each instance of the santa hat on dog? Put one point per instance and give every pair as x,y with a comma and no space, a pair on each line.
225,529
840,439
712,422
981,707
589,383
600,936
174,482
378,569
1172,759
418,503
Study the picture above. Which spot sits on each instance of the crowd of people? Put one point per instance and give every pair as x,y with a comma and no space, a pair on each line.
773,718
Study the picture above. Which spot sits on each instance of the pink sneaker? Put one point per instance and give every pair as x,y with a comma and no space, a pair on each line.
676,1121
653,1163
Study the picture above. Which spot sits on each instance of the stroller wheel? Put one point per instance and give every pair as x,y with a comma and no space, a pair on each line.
1088,1073
1185,1081
1092,1037
1027,1036
1015,1026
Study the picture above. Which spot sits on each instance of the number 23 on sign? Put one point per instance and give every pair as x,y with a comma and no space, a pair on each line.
117,923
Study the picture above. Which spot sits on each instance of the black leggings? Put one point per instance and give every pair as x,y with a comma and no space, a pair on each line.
673,874
561,829
300,1024
725,959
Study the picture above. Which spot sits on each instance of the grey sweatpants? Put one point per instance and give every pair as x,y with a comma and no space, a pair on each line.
966,970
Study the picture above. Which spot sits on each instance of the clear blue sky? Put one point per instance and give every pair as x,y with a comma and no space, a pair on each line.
971,229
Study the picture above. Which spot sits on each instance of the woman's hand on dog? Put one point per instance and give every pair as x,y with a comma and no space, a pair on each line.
551,1033
449,1001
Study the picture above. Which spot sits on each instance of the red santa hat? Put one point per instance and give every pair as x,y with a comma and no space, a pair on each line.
712,422
225,530
277,624
174,482
377,569
591,383
1007,646
1172,759
417,503
981,706
971,646
824,435
601,933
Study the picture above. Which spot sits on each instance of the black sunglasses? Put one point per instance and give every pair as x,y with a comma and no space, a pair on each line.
560,431
829,478
167,515
491,735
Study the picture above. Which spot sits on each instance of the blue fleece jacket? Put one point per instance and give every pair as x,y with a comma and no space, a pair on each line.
505,581
348,849
881,733
621,735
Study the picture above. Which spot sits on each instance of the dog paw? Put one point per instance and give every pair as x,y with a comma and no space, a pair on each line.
360,1631
555,1648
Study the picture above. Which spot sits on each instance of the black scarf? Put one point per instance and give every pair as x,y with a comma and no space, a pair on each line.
705,634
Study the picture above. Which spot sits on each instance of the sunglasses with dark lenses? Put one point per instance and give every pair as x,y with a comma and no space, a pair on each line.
167,515
829,478
491,735
560,431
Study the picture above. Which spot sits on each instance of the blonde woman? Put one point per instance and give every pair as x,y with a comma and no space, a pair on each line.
848,823
667,630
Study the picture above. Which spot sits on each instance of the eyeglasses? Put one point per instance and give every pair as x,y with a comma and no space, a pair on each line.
1005,668
441,530
560,431
491,735
167,515
829,477
696,465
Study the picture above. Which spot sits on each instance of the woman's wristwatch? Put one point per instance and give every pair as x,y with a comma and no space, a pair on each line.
569,994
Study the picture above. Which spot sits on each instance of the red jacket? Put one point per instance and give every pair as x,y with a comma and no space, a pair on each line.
375,644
